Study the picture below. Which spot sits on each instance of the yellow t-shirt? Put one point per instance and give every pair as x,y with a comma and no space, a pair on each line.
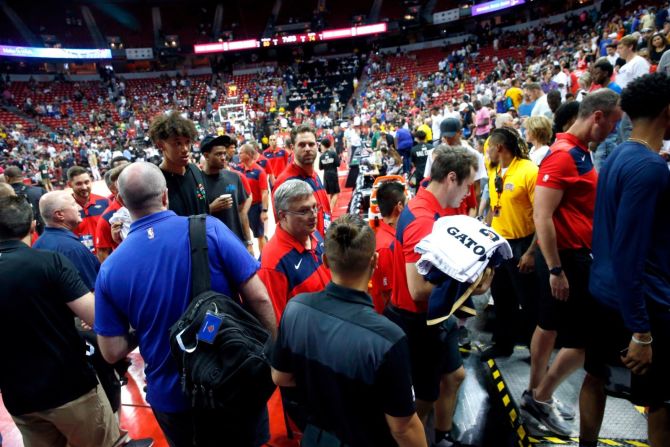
514,218
517,96
429,132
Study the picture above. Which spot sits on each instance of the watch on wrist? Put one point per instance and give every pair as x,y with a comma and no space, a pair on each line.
556,271
250,243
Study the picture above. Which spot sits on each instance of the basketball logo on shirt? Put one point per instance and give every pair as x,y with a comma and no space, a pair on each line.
545,178
150,233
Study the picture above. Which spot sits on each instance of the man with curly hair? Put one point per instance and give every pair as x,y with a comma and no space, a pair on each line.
173,135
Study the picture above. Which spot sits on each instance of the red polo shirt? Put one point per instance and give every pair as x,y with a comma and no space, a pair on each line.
264,163
569,167
288,268
257,179
293,171
278,159
90,214
382,278
415,222
103,232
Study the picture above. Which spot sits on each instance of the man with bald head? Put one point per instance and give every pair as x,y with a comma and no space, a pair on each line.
60,213
146,283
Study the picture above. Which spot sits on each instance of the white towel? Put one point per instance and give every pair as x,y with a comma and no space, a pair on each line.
461,247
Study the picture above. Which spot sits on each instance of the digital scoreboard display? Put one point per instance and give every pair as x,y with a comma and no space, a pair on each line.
497,5
56,53
293,39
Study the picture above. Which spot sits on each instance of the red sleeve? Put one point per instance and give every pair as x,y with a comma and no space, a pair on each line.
471,199
245,182
277,287
103,235
384,271
412,235
263,180
268,167
555,170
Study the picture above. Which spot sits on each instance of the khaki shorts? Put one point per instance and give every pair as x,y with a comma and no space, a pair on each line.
84,422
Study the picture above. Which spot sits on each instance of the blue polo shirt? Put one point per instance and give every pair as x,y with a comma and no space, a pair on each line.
631,240
65,242
146,283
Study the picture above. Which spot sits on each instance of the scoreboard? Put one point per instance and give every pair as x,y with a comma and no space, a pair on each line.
292,39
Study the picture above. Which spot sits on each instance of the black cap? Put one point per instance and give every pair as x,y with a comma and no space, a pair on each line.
210,141
450,127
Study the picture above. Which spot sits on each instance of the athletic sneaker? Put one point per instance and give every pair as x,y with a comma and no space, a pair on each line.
546,414
566,411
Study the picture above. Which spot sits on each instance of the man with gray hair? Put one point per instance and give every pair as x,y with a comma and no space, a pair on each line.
291,261
146,283
563,214
61,216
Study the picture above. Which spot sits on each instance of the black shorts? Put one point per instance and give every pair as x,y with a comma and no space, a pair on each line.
433,350
255,222
570,318
331,182
607,339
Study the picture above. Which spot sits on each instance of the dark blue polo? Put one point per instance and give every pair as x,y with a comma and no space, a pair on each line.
351,365
65,242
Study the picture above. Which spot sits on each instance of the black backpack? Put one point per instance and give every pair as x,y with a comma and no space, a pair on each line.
233,371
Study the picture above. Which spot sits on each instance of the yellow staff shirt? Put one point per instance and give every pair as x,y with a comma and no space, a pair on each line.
514,216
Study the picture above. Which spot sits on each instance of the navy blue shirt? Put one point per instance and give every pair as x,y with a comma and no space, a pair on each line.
146,283
65,242
631,241
351,365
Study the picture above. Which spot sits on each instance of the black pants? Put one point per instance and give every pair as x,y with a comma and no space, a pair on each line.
516,299
215,428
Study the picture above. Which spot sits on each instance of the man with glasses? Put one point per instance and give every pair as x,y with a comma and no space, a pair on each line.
292,260
305,151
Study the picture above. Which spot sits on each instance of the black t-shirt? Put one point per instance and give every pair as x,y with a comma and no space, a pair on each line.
186,193
329,162
226,182
419,157
44,362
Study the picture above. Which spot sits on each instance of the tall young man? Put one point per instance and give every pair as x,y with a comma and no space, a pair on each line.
174,135
629,277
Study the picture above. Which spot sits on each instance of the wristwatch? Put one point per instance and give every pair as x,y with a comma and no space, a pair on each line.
556,270
250,243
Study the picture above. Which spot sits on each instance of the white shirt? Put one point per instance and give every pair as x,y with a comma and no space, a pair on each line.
638,66
541,108
537,154
481,167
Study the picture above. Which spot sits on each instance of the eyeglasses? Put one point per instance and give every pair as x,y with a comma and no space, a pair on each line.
313,211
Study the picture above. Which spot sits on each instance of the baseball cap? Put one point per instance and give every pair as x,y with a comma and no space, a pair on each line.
450,127
210,141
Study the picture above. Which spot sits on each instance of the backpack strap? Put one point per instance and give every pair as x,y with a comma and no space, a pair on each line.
200,277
